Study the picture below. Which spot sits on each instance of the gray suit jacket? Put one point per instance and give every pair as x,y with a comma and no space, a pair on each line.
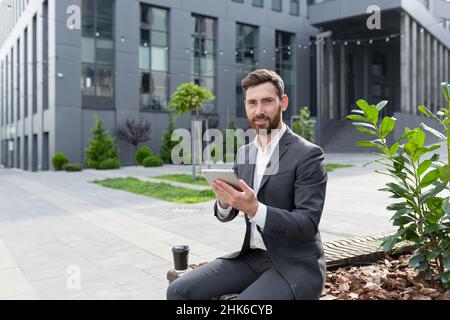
294,197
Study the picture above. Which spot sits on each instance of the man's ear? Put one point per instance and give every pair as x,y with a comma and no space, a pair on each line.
284,102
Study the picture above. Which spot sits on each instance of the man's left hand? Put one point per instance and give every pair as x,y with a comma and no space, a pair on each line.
245,200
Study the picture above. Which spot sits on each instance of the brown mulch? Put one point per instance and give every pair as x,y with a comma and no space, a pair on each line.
389,279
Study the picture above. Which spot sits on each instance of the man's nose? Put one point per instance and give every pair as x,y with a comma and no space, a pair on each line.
259,109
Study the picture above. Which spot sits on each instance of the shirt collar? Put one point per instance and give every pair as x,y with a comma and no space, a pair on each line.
272,143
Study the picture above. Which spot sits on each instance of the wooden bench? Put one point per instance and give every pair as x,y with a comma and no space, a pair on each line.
339,253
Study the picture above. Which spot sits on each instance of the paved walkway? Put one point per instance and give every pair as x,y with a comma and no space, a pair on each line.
52,223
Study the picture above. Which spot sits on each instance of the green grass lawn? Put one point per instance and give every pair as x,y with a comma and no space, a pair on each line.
161,191
333,166
200,181
185,178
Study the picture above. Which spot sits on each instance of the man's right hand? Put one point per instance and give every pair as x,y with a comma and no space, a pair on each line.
219,196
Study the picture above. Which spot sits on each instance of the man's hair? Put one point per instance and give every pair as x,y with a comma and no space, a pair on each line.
262,76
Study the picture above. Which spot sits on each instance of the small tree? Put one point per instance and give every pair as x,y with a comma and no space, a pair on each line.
422,214
305,126
101,147
134,132
189,97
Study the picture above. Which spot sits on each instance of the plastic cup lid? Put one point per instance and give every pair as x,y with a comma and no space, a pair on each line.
180,248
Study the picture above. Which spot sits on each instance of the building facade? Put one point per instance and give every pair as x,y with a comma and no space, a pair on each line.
64,62
404,60
121,60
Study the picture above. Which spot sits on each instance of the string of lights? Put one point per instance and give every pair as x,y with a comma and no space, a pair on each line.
288,48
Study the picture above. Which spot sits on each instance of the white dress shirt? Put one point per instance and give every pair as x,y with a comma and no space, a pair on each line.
262,159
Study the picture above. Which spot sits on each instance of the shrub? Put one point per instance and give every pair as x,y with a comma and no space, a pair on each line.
142,153
59,160
73,167
109,164
101,147
153,161
422,214
305,126
167,144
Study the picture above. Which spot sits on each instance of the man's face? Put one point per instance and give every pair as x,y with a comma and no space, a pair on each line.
264,108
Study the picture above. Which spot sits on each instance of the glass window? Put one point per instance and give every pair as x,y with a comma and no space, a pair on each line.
294,7
104,30
105,10
88,8
159,59
246,61
145,82
97,47
284,42
88,49
105,51
158,20
258,3
144,58
88,80
104,82
203,55
145,14
154,57
88,27
145,37
276,5
207,66
159,38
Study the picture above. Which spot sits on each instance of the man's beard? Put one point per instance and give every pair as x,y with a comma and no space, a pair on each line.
272,123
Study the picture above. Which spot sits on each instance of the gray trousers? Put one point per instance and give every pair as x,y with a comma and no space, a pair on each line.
252,276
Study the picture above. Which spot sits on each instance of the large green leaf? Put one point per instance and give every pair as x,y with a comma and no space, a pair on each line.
435,206
446,206
387,125
434,192
390,241
372,114
399,190
366,144
396,206
360,112
423,167
419,152
402,221
381,105
433,132
418,261
357,118
431,228
408,133
444,173
394,148
428,113
420,137
365,130
363,105
401,212
429,178
446,90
